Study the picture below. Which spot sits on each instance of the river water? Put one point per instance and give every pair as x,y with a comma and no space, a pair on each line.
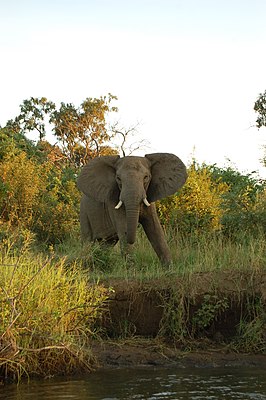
147,384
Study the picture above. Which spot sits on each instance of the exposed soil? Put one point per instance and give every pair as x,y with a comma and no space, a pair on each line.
150,353
187,321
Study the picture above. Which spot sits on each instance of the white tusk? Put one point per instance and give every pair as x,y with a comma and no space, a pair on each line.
119,204
145,201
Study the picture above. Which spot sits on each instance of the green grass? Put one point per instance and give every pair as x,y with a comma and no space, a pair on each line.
191,254
209,253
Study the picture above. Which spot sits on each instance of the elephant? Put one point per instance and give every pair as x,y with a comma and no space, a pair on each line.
120,192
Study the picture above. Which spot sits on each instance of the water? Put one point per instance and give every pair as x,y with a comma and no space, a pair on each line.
148,384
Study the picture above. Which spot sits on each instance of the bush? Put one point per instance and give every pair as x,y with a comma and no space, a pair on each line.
40,197
244,205
215,199
198,205
22,184
58,215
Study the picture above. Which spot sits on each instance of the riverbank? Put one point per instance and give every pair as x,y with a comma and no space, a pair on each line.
153,353
57,319
213,319
216,305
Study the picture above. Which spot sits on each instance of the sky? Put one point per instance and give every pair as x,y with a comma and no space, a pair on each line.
186,72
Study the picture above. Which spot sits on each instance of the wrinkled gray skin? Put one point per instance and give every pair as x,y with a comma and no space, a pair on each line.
114,190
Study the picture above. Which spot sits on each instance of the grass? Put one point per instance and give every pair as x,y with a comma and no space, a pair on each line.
191,254
211,252
47,315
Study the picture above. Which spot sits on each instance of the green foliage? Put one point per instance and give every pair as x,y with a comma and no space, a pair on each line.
251,334
13,140
174,323
243,188
209,311
244,204
32,115
260,108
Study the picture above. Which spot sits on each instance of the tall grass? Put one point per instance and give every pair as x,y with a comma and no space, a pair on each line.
214,252
47,315
191,254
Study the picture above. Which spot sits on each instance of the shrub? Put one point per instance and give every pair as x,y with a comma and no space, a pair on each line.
197,207
59,207
40,197
22,184
244,205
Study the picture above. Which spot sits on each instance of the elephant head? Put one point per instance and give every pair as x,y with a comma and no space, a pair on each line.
133,182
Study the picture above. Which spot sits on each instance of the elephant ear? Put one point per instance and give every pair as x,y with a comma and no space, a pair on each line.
168,175
97,179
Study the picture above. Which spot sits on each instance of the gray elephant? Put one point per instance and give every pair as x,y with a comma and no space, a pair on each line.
119,193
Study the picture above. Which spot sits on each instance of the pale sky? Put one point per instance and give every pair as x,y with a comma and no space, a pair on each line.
187,71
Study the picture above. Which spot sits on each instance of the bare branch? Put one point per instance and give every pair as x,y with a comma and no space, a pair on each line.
124,135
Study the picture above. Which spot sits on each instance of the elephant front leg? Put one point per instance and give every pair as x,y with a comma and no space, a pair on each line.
155,234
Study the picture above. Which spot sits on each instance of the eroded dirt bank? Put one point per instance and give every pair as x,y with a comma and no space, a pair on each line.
205,319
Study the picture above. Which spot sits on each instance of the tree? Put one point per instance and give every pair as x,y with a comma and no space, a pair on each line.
124,138
83,131
260,108
32,115
12,139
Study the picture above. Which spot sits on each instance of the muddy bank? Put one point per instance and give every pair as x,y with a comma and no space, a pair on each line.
204,319
150,353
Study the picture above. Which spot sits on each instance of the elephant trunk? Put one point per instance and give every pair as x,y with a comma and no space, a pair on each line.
132,198
132,215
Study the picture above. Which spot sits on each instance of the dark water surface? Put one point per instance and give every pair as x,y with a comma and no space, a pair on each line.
149,384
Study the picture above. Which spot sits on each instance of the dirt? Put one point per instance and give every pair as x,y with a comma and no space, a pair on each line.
150,353
140,324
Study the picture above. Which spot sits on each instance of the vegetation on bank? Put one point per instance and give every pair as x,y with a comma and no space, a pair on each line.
47,314
50,287
53,301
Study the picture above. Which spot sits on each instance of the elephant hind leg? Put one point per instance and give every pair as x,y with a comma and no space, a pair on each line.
85,228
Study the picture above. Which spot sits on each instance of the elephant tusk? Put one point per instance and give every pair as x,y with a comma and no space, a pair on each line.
145,201
119,204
